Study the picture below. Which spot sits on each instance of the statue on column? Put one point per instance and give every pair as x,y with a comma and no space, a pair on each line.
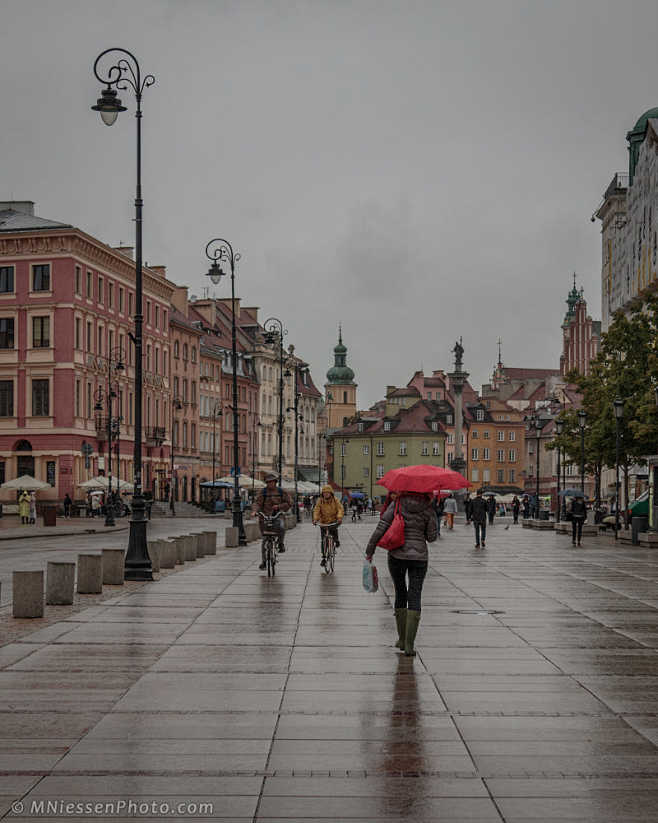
459,354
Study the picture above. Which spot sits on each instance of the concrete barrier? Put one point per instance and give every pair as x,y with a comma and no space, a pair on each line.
90,574
231,537
113,561
154,550
211,542
200,543
180,549
28,594
167,554
190,548
253,532
60,583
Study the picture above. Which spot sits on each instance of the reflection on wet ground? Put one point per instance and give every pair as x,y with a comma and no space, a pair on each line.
284,700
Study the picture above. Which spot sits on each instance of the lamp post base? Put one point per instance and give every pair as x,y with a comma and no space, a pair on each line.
138,563
238,521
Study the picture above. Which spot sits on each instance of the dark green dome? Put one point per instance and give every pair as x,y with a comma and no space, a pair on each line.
641,125
340,374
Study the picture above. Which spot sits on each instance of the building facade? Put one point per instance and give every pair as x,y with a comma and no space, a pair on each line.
581,336
340,388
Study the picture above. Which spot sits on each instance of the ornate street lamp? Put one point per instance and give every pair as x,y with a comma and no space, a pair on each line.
124,74
559,428
582,419
176,405
274,333
221,252
618,406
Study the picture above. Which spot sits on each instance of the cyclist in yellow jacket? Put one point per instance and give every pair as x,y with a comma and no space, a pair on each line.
328,510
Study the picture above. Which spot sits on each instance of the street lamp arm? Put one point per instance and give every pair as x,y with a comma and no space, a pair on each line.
124,73
222,250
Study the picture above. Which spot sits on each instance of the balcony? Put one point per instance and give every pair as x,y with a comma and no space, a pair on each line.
155,436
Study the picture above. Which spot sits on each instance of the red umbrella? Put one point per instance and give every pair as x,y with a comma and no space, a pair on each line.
422,479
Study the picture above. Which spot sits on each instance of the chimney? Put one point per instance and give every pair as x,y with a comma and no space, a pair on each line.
127,251
161,270
21,206
390,390
253,311
226,301
179,299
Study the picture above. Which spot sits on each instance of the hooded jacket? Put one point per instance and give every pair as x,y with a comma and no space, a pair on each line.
328,511
419,528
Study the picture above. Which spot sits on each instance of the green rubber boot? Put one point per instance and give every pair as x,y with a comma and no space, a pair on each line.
401,621
413,619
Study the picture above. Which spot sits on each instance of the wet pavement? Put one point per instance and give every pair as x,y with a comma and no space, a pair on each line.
284,700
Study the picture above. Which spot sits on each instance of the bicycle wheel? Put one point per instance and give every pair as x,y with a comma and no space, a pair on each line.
331,554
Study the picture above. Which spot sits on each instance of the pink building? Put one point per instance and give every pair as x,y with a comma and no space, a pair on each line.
66,305
581,336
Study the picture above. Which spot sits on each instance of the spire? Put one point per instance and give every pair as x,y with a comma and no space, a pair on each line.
340,332
500,353
574,297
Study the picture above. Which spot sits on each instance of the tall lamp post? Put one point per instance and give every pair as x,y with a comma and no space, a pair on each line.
217,411
176,405
322,445
559,428
254,444
618,406
342,465
123,74
582,419
299,368
221,252
536,423
274,333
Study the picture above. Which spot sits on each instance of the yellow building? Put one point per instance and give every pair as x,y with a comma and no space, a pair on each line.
340,388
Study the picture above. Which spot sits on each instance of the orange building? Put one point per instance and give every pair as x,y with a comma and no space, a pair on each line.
497,445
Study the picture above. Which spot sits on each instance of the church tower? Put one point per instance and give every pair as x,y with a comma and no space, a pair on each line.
340,388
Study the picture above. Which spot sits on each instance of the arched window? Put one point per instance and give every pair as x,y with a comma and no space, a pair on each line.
194,354
176,349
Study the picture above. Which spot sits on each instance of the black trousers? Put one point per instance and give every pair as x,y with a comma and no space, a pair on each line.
480,531
577,528
407,596
515,512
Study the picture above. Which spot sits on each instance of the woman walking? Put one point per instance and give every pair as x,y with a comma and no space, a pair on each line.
578,511
408,561
24,507
450,510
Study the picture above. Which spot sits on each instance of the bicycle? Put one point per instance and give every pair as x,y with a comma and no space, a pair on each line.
270,539
328,546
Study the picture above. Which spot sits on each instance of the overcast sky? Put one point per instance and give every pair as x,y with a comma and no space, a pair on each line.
415,170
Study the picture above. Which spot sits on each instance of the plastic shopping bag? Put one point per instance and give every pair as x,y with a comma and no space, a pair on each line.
370,577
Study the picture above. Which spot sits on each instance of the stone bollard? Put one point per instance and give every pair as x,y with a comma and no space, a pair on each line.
28,594
231,537
211,542
113,561
154,551
167,554
252,532
200,543
180,550
90,574
190,548
60,583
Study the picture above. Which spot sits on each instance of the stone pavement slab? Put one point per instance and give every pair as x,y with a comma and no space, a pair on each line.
283,699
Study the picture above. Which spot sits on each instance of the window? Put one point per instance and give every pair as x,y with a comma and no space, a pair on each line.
425,449
366,471
164,319
78,333
41,277
120,299
50,472
176,349
6,398
148,357
40,398
475,454
512,455
403,447
184,434
475,475
485,434
185,390
193,436
89,285
88,414
479,415
486,454
157,317
6,332
435,426
380,471
40,332
474,434
500,475
500,456
130,303
194,391
380,448
110,295
88,335
366,449
387,425
435,449
486,476
359,427
512,475
148,312
6,279
342,449
449,457
511,436
194,354
185,351
77,398
101,295
450,439
500,436
99,348
449,419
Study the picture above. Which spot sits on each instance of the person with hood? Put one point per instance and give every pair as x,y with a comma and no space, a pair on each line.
467,507
491,509
271,500
328,510
67,505
526,507
24,507
408,561
479,511
578,511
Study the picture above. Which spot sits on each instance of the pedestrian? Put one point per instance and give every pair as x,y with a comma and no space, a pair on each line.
491,509
409,560
479,511
95,505
578,511
467,508
526,507
67,505
33,509
24,507
450,510
437,505
516,505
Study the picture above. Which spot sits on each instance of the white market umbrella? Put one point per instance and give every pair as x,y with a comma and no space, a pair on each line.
26,482
101,482
244,481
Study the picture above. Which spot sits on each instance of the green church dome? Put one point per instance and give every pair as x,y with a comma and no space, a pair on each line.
340,372
641,125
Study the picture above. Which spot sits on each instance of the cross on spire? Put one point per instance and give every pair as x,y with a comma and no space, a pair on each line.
500,353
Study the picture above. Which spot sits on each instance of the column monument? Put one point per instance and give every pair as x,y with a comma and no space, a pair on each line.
457,379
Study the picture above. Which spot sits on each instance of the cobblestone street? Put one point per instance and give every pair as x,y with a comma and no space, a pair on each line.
533,696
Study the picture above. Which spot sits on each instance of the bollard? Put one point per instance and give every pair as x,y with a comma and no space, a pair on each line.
112,567
153,548
180,550
231,537
167,554
28,594
211,542
252,532
200,543
60,583
190,548
90,574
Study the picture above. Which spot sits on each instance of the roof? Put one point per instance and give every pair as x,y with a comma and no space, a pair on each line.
309,388
12,221
410,391
530,374
416,419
